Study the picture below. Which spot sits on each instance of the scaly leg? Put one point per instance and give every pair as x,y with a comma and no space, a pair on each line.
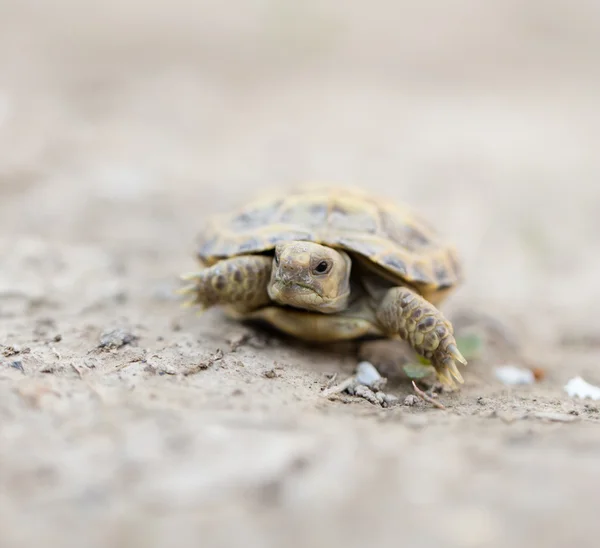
405,313
240,281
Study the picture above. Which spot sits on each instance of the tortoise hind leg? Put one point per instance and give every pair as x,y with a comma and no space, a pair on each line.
405,313
240,281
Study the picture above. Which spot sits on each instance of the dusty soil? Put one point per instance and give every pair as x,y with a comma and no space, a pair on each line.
127,421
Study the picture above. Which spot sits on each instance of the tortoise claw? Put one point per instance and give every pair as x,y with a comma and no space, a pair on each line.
453,370
186,290
192,303
446,368
445,378
188,277
454,352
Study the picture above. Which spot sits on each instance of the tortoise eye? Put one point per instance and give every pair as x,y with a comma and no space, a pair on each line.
322,267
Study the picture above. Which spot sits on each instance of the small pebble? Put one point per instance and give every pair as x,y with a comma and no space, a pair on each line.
366,393
512,375
579,388
367,383
391,400
367,375
116,338
410,400
11,350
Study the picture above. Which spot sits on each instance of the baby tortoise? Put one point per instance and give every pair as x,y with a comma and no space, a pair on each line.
330,264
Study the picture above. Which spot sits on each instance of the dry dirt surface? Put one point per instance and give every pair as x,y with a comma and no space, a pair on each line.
128,421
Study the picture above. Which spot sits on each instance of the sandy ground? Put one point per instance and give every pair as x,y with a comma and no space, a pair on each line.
127,421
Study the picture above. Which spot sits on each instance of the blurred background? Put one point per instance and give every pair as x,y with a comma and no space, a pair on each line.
485,115
123,123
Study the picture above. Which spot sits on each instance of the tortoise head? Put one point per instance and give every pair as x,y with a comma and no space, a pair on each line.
310,276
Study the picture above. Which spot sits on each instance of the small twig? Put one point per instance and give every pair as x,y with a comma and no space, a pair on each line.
339,388
427,398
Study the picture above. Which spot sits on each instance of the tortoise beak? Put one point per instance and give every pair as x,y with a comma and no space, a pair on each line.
288,292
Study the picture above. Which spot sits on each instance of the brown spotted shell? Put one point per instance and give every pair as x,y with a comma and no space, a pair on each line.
391,236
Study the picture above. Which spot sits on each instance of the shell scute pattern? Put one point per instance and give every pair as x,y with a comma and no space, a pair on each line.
391,236
405,232
420,273
395,262
368,247
304,213
441,273
346,216
255,216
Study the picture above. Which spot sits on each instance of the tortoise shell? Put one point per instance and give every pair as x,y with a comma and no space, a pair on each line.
389,236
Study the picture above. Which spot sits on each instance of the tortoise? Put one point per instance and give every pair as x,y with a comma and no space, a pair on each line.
330,264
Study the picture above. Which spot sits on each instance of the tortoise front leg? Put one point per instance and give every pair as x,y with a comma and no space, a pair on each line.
405,313
240,281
